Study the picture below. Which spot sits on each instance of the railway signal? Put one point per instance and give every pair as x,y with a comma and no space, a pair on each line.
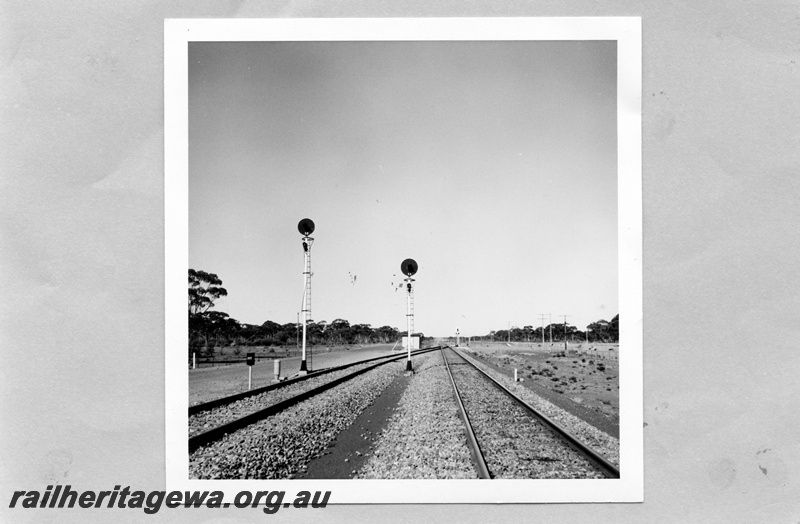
409,268
251,359
306,227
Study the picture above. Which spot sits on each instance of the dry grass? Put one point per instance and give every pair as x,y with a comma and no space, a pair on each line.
588,375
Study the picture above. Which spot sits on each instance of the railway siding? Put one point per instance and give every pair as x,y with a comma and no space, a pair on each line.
205,420
280,446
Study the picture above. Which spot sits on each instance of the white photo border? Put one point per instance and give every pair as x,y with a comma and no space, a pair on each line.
627,32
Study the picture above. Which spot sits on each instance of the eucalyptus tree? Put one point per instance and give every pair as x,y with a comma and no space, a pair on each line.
204,289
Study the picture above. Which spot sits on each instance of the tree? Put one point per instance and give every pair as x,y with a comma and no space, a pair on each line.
212,328
528,332
339,332
613,328
314,331
387,334
204,289
362,333
605,331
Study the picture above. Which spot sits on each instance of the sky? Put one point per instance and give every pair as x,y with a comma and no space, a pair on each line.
492,164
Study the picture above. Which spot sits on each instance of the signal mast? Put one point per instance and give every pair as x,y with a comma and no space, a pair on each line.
306,227
409,268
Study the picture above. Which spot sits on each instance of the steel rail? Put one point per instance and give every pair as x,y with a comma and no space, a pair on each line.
598,460
211,404
472,440
216,433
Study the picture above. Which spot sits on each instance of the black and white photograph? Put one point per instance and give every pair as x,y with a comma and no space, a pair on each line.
461,188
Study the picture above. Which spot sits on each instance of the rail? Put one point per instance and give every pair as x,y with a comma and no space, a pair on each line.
598,460
212,404
472,440
220,431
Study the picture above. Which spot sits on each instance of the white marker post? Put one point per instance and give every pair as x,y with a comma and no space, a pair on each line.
306,227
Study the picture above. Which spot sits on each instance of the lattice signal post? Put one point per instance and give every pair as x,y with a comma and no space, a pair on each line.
409,268
306,227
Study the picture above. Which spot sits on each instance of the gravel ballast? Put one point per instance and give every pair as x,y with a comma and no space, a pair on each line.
424,438
599,441
206,420
280,446
515,445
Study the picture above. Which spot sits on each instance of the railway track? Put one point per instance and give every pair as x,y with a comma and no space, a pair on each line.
508,438
222,401
211,421
278,435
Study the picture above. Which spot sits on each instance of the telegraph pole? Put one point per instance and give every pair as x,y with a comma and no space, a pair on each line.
306,227
565,331
542,315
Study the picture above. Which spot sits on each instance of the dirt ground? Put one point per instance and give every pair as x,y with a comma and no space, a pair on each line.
587,375
261,352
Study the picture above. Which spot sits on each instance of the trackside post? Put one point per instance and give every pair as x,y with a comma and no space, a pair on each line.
251,359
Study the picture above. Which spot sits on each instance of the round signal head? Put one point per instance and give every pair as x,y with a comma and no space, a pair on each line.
409,267
306,226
